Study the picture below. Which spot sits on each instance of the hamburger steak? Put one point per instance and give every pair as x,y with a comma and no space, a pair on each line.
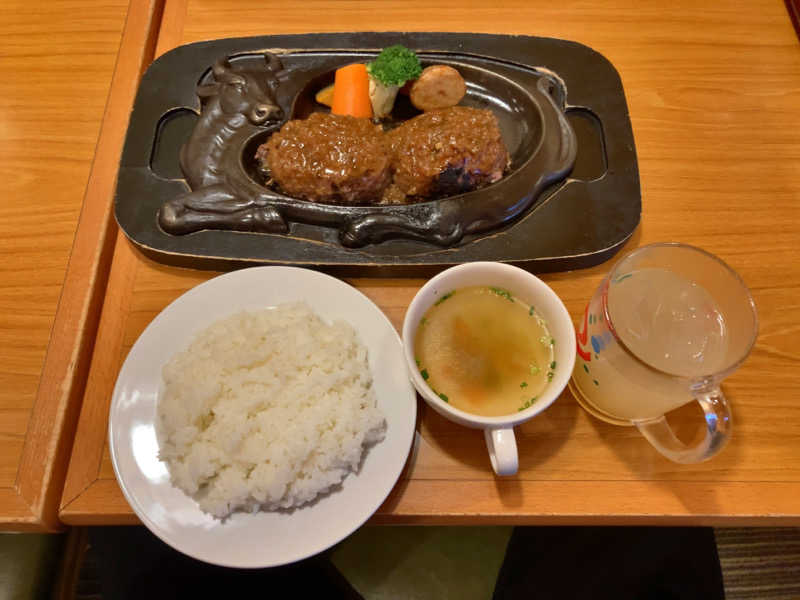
329,158
448,151
345,160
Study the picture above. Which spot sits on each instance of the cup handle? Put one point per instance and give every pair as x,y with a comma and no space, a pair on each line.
502,446
718,431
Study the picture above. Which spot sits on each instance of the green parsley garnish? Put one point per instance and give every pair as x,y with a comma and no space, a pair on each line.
501,292
443,298
395,65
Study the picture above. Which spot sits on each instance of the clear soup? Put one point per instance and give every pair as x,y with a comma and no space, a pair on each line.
484,351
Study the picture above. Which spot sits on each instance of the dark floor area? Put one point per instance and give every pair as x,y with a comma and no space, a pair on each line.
636,563
377,563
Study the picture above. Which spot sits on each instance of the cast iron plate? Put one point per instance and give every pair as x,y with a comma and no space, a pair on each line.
577,222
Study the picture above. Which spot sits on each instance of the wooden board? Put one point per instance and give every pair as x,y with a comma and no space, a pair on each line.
56,71
713,92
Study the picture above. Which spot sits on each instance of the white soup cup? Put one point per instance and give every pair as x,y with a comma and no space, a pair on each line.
498,431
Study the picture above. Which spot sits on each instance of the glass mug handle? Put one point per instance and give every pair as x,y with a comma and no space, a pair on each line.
718,431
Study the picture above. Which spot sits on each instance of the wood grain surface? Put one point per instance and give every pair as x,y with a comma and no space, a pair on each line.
56,65
713,91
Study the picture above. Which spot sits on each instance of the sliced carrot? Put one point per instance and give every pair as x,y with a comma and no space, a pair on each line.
351,92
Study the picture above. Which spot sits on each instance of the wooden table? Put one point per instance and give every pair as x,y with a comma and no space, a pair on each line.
56,67
714,93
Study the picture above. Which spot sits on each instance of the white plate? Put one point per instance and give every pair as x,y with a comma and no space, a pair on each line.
263,539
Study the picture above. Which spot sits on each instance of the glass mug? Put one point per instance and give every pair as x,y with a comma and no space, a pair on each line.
664,328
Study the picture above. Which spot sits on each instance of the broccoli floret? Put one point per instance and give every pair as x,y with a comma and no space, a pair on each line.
395,65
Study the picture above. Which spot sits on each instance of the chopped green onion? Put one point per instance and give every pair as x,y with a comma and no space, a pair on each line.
424,373
443,298
443,397
530,312
553,365
501,292
534,370
550,376
524,384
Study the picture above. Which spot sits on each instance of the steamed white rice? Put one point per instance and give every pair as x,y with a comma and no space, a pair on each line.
267,409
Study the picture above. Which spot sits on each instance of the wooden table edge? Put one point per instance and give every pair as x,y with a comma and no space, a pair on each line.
43,463
82,471
423,509
17,512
